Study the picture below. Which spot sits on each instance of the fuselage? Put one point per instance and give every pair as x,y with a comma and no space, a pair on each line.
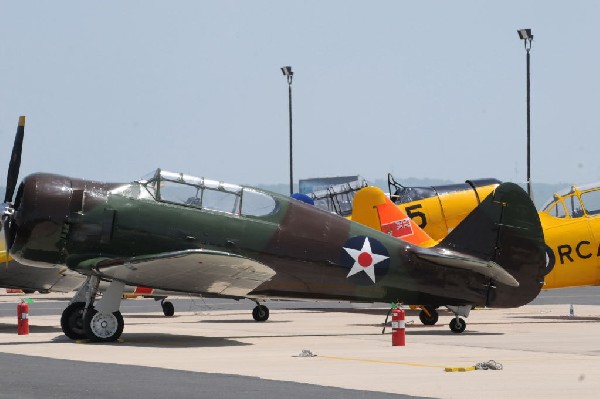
65,221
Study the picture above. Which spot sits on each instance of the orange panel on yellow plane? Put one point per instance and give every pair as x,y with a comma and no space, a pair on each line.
373,209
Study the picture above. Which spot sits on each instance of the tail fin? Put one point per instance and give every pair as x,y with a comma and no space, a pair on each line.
373,209
505,229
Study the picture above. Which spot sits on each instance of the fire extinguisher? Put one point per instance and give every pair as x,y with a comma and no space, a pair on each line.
23,318
398,328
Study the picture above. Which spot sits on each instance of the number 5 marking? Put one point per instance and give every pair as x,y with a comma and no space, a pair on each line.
410,211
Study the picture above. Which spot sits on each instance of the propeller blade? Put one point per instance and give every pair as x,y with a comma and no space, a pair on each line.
15,162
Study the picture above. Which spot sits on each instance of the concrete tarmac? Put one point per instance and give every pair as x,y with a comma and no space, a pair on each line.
545,353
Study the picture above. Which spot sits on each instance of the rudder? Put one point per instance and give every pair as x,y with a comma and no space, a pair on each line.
505,228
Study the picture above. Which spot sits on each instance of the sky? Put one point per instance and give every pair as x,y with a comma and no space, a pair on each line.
115,89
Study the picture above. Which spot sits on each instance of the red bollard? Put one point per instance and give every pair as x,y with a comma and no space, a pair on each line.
23,318
398,328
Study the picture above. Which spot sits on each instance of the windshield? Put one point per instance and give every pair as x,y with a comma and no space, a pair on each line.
591,202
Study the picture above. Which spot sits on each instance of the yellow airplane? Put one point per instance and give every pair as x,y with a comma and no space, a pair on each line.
439,209
570,219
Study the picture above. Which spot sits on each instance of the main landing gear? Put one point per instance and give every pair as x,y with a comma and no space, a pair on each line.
98,322
168,308
260,312
72,321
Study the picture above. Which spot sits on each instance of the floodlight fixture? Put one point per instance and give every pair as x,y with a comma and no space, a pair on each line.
526,36
288,73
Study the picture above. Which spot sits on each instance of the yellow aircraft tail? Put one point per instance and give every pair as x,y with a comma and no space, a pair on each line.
374,209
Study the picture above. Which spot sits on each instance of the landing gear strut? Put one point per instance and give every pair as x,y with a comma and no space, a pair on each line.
100,323
458,325
260,312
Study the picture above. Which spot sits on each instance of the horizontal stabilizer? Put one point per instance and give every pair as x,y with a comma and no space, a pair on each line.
486,268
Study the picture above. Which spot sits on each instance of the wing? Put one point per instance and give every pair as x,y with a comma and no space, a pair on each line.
193,271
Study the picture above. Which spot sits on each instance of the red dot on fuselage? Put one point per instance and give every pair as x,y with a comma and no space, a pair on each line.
365,259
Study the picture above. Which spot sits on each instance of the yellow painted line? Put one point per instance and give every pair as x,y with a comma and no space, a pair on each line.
459,369
353,359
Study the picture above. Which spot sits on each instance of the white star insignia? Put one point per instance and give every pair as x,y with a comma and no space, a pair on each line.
364,260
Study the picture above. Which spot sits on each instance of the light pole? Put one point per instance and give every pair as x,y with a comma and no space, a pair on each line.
527,37
287,72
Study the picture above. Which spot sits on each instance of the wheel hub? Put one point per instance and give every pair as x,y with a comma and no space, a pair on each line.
104,325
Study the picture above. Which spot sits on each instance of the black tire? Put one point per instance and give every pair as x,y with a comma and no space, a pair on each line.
260,313
27,291
457,325
71,321
429,320
103,327
168,308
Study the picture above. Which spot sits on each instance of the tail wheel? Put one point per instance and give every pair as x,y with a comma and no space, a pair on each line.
457,325
103,327
71,321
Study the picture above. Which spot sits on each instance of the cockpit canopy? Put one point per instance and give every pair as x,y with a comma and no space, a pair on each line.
201,193
575,202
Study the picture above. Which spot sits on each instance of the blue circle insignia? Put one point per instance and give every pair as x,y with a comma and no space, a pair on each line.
366,259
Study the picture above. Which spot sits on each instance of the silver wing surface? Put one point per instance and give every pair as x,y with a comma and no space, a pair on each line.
195,271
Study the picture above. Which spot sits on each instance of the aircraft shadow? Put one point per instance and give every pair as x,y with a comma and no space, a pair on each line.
375,312
447,332
162,340
245,321
304,335
147,316
33,329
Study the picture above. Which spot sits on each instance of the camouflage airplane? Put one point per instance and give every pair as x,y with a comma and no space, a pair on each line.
188,234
